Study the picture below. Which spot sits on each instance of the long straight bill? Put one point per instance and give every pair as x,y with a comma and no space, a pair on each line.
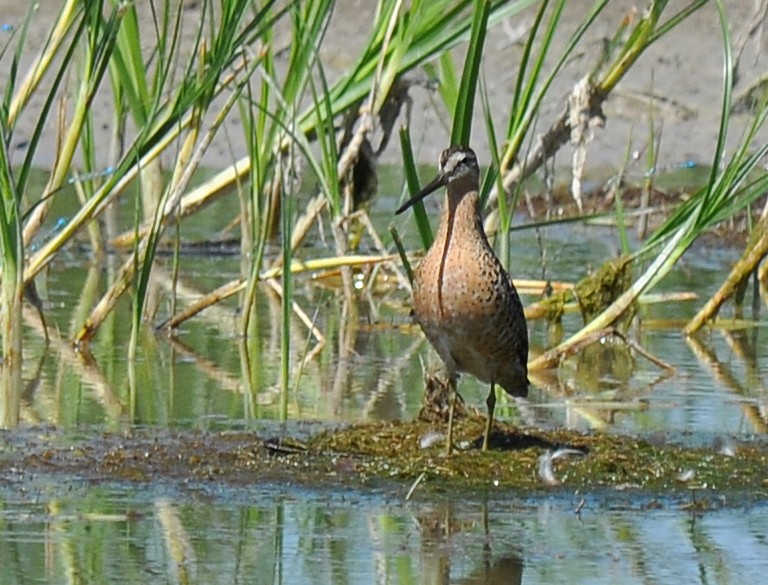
433,186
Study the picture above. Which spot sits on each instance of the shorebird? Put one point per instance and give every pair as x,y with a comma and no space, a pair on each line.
463,299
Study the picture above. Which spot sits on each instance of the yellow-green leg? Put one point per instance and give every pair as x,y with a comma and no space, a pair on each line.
491,402
449,438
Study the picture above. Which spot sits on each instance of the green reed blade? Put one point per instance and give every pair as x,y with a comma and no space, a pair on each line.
412,182
462,117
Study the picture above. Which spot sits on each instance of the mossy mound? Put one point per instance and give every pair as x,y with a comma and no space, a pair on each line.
514,460
393,454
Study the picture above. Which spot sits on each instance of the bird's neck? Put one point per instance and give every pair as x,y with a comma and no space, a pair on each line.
461,212
461,228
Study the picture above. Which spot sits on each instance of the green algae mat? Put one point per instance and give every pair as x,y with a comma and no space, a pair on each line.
398,456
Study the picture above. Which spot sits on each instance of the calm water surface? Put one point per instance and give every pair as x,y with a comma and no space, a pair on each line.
369,363
113,535
63,530
55,530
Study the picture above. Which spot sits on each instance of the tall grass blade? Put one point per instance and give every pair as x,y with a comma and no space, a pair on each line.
412,183
462,117
726,184
12,294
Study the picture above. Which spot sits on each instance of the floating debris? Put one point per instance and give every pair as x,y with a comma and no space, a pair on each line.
546,470
284,446
414,486
431,438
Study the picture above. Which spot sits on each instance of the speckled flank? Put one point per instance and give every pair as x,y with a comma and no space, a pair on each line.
463,299
466,304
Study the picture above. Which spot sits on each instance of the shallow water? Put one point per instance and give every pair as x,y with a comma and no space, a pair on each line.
371,365
204,535
57,529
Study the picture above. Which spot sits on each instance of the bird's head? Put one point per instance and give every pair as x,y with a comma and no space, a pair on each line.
457,164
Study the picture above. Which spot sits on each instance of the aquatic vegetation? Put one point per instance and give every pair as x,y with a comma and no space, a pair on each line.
176,79
612,468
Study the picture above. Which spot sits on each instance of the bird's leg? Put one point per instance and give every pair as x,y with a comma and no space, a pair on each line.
491,402
452,398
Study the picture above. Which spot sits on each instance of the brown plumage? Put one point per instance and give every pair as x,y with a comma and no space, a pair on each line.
462,298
